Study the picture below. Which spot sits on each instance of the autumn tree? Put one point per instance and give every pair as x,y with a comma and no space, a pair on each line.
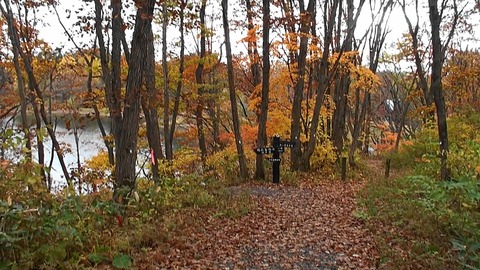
377,34
462,81
200,82
322,74
179,86
262,119
127,141
149,103
342,83
233,99
444,20
24,54
418,53
307,15
166,90
89,61
436,87
252,46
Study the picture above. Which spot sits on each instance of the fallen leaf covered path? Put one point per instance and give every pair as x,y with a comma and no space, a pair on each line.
311,226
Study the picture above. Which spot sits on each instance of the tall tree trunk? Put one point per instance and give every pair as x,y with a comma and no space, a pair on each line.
262,120
376,41
436,86
178,92
166,92
358,124
200,85
343,84
306,17
323,75
116,81
252,49
413,31
149,107
112,100
23,103
127,147
233,100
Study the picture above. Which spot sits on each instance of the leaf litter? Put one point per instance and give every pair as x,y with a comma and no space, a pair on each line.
309,226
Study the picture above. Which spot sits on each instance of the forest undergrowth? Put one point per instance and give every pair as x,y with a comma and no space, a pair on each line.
419,221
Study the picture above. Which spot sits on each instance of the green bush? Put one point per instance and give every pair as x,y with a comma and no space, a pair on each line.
450,208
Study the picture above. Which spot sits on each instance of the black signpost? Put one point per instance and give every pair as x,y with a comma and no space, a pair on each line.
276,149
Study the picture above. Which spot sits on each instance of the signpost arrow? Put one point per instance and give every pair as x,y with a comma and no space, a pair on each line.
287,144
264,150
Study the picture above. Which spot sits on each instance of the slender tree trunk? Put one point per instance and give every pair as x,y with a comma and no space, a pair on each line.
436,87
359,120
323,75
23,103
106,141
116,81
342,86
377,39
233,100
178,92
252,49
400,128
306,17
166,92
200,85
89,61
149,107
262,120
113,101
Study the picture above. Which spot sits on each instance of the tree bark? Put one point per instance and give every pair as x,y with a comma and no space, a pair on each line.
126,150
262,119
252,48
178,92
149,106
436,86
112,100
116,81
233,100
413,31
323,75
200,85
306,17
377,39
166,91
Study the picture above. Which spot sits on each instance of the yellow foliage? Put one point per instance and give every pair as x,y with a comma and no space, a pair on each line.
278,123
99,162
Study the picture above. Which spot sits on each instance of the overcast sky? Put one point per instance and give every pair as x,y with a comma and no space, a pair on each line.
53,33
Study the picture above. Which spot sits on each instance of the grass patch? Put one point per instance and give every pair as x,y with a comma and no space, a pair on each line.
422,223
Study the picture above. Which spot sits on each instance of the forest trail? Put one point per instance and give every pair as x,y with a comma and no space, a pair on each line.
308,226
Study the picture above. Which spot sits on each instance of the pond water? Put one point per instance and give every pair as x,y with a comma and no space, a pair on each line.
90,144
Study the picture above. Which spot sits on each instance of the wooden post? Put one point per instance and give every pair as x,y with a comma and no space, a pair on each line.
276,160
387,168
344,169
277,148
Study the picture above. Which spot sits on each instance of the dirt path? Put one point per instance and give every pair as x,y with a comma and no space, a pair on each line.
306,227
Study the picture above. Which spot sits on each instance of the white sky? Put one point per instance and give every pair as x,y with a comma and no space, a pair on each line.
54,34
